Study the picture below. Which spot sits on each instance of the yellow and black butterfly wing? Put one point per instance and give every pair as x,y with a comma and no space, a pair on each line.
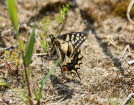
67,48
72,64
76,38
69,42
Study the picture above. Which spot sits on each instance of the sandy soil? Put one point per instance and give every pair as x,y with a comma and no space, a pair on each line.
106,79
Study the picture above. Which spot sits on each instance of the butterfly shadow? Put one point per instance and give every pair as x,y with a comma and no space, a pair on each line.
72,79
90,26
63,90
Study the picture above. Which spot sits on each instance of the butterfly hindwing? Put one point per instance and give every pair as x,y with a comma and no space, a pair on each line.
72,64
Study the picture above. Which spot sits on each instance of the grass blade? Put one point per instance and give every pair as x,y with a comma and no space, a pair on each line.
12,11
132,103
29,48
43,82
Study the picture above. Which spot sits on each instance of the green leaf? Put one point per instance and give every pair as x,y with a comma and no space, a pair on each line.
63,12
12,11
21,45
7,54
44,45
29,48
3,82
45,23
22,96
132,103
43,82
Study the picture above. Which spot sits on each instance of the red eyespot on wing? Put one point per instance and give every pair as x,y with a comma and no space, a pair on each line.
64,68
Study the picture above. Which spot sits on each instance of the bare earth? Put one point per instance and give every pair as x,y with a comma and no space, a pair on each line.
106,79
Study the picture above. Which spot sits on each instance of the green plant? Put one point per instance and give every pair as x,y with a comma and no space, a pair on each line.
45,23
12,11
27,54
26,51
3,84
13,57
26,62
38,94
63,12
44,44
61,17
132,103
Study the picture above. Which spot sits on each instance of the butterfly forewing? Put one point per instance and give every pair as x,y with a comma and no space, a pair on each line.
76,38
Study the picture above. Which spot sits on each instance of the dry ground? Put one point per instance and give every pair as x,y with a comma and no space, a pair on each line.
106,79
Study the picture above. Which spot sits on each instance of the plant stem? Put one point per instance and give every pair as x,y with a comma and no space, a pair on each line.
38,102
29,86
30,94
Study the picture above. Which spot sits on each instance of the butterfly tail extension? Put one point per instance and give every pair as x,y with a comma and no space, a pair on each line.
78,74
71,65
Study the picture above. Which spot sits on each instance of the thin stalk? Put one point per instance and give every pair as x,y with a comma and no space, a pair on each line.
29,86
38,102
30,94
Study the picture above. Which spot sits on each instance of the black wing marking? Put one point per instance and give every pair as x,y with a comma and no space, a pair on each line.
76,38
65,46
68,47
69,42
72,64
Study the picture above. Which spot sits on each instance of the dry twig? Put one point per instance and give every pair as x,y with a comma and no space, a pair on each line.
128,98
123,57
10,47
130,62
128,11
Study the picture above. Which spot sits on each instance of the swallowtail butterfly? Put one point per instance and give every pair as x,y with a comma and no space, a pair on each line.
66,46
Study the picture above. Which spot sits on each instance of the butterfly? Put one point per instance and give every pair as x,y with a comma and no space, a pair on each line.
66,47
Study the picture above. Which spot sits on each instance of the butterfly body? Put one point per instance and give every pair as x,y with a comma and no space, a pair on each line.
66,47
